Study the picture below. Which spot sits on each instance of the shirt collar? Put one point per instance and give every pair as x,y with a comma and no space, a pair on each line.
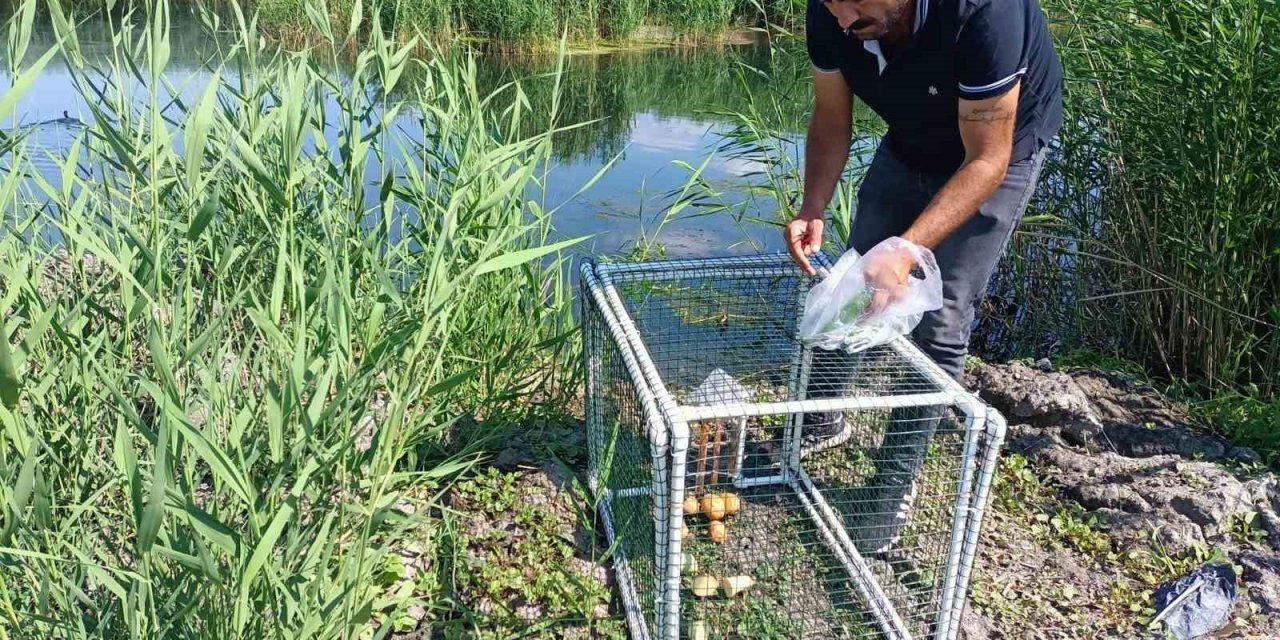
873,46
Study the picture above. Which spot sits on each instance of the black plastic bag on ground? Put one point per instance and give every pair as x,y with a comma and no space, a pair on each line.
1198,603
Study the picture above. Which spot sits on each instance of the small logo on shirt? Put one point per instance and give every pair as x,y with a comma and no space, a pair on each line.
933,91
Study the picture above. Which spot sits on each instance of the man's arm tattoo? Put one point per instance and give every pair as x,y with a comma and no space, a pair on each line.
988,115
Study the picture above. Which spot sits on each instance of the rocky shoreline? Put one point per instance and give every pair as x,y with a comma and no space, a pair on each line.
1142,491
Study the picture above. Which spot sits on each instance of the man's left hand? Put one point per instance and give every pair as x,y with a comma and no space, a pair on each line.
887,273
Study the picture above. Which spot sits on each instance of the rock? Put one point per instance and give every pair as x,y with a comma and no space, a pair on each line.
363,433
592,570
1024,394
414,560
1208,496
1210,509
1133,459
1271,524
198,414
974,626
1072,569
1029,441
559,476
1118,398
1243,455
1075,463
1186,502
59,268
1090,436
511,457
1127,455
1172,439
1261,576
1044,364
1112,496
1265,489
1174,534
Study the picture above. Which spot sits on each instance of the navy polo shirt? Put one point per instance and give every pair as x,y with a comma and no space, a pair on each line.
970,49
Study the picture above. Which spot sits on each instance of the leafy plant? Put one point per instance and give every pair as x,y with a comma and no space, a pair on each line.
235,364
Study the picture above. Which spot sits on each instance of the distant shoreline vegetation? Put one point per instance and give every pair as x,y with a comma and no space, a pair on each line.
522,24
529,23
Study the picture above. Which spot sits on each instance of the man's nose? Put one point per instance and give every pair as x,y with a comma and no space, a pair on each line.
846,14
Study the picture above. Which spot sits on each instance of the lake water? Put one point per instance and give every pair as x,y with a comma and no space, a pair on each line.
649,109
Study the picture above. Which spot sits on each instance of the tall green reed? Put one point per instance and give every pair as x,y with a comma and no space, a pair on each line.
1189,117
233,366
622,18
703,17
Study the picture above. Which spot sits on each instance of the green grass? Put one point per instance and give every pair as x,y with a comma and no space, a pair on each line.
1246,417
513,24
231,374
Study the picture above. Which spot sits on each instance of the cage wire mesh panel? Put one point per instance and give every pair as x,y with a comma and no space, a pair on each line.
622,472
789,492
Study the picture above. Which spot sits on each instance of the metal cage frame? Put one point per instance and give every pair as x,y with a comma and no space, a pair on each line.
668,429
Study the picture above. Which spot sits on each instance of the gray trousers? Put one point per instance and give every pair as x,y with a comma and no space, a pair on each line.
890,199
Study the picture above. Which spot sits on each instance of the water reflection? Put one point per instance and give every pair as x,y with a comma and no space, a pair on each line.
649,109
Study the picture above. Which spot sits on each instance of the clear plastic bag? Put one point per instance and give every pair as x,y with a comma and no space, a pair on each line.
838,314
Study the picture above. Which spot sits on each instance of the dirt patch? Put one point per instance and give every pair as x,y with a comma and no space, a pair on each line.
525,557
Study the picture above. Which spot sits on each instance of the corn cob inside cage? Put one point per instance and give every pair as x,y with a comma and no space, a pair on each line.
753,487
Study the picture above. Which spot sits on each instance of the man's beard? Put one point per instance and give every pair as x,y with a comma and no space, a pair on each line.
891,22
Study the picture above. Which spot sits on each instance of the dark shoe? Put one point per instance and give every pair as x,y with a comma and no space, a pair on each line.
816,427
877,520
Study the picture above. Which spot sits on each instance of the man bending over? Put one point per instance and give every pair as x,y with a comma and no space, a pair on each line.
972,93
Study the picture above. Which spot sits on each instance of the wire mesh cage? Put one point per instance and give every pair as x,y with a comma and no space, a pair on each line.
753,487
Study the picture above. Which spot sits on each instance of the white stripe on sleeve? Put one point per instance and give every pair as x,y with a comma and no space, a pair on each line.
994,85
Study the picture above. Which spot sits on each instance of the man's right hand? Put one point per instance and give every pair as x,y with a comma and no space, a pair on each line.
826,152
804,238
